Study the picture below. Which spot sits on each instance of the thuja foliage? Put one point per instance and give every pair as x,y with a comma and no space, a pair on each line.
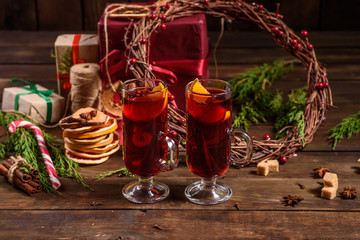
23,142
66,61
348,127
259,104
121,172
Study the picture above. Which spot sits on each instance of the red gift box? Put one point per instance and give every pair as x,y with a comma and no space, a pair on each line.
178,54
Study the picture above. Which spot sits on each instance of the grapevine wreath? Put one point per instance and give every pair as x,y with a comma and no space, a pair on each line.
318,91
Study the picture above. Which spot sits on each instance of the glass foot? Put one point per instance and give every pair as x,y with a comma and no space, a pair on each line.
207,192
145,191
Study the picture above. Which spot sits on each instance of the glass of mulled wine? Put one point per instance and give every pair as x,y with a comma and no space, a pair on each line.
147,147
208,139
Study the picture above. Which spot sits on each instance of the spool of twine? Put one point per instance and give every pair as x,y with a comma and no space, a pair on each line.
85,86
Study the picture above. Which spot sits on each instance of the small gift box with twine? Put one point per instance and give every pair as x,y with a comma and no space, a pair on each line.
71,49
37,102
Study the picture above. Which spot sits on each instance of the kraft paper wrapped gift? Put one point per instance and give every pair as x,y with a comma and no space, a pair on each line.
75,48
39,103
182,49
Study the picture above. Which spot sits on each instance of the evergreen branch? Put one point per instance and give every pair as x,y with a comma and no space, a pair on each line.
122,172
292,112
2,150
247,85
65,61
348,127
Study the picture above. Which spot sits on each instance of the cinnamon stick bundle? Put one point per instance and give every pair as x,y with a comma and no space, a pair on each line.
26,182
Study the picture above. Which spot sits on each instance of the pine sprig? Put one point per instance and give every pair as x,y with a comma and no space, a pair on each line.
348,127
65,61
250,91
2,150
292,111
23,142
121,172
247,85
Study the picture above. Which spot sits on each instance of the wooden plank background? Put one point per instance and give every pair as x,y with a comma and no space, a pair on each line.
83,15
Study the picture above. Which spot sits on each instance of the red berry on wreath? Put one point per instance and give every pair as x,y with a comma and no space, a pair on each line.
298,46
280,33
173,133
182,121
67,85
260,7
167,5
319,85
304,33
163,17
294,41
325,84
278,15
205,1
153,15
171,97
310,47
283,160
132,61
163,26
143,41
275,30
254,4
266,137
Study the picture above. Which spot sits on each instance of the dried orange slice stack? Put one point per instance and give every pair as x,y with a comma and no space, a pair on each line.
89,136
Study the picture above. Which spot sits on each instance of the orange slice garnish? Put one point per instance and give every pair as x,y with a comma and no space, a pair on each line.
198,92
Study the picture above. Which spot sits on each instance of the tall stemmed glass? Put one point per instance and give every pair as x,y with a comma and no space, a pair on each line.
147,144
208,141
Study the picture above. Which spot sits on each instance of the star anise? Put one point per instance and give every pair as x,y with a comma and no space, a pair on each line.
292,200
320,171
348,193
88,115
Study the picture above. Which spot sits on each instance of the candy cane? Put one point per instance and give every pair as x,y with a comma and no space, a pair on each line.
44,151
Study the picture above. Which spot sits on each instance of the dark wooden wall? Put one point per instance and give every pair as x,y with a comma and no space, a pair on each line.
83,15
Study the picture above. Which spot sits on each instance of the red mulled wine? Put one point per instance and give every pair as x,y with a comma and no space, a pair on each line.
144,116
208,129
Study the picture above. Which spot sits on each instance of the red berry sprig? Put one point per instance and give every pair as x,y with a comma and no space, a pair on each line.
171,97
182,121
304,33
162,26
310,47
266,137
152,16
163,17
143,41
283,160
132,61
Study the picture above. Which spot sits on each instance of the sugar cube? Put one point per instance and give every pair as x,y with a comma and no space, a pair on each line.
263,168
328,192
330,180
273,165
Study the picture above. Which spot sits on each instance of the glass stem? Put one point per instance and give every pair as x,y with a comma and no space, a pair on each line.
208,182
146,182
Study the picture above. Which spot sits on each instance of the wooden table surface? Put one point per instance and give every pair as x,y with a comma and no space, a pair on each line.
105,214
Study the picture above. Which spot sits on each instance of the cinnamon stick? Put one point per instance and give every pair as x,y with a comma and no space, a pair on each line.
33,172
24,186
3,170
29,187
18,173
35,185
